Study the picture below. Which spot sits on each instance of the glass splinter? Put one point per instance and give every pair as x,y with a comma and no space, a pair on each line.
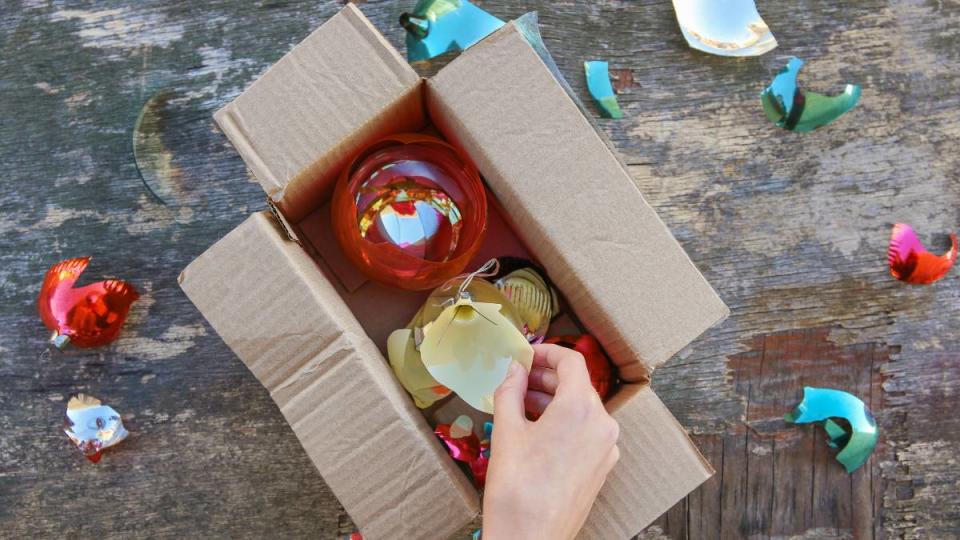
92,426
724,28
438,26
598,83
824,404
791,108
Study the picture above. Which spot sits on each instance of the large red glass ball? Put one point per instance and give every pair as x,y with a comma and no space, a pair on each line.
410,211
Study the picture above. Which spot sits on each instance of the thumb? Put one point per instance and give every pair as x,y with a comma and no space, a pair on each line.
508,399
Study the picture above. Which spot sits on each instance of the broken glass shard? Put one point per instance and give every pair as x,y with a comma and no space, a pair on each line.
601,89
825,405
911,262
791,108
724,28
469,348
534,300
92,426
438,26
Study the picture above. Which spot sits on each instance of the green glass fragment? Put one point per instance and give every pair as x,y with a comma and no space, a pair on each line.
822,404
791,108
438,26
600,87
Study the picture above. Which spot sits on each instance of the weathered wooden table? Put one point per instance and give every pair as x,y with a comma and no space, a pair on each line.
791,230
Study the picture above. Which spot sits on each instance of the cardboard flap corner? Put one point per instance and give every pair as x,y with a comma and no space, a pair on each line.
571,199
659,465
295,117
274,308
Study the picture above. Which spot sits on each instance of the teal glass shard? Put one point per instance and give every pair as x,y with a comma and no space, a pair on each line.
793,109
724,27
824,404
598,83
435,27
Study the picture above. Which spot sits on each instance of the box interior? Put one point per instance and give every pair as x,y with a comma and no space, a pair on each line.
381,309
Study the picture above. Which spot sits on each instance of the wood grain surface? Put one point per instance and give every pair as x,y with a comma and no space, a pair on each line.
791,229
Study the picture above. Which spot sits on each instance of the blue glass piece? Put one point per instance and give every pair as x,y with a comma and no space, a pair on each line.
600,87
791,108
822,404
438,26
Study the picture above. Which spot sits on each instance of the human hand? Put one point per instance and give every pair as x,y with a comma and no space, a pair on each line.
544,476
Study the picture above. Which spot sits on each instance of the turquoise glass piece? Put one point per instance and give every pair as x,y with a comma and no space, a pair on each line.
435,27
600,87
825,404
791,108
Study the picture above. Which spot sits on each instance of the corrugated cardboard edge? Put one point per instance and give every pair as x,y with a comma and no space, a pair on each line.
658,467
514,72
372,446
361,75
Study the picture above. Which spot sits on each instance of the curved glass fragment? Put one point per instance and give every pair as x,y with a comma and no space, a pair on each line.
911,262
438,26
824,404
601,89
724,27
791,108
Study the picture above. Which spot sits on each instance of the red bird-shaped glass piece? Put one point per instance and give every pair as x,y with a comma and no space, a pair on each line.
87,316
911,262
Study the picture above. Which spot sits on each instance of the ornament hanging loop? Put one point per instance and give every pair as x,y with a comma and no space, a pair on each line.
489,268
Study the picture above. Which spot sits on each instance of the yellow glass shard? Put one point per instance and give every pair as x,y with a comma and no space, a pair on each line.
469,348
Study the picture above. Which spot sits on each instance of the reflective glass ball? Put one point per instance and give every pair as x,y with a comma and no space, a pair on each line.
410,211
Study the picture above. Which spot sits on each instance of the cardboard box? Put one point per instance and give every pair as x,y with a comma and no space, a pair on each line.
315,341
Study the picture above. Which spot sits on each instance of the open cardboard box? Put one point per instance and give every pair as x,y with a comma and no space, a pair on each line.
313,332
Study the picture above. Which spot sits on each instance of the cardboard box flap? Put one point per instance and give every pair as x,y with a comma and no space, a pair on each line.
275,309
658,467
572,201
292,122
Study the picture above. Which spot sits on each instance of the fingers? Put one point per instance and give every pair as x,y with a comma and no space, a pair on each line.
543,379
569,365
536,402
508,400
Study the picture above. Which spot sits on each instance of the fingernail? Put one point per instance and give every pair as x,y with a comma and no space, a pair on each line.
513,369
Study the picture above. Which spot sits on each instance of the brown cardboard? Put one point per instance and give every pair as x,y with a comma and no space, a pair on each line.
308,337
269,302
625,275
317,100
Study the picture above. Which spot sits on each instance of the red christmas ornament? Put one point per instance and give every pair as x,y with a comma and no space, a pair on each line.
87,316
468,449
410,211
601,369
911,262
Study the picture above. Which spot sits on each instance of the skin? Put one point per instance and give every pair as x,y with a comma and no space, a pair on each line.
544,475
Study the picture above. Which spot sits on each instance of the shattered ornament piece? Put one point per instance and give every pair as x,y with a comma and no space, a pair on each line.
601,89
464,445
535,301
724,28
438,26
403,346
410,371
823,405
793,109
912,263
602,374
88,316
469,348
410,211
92,426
